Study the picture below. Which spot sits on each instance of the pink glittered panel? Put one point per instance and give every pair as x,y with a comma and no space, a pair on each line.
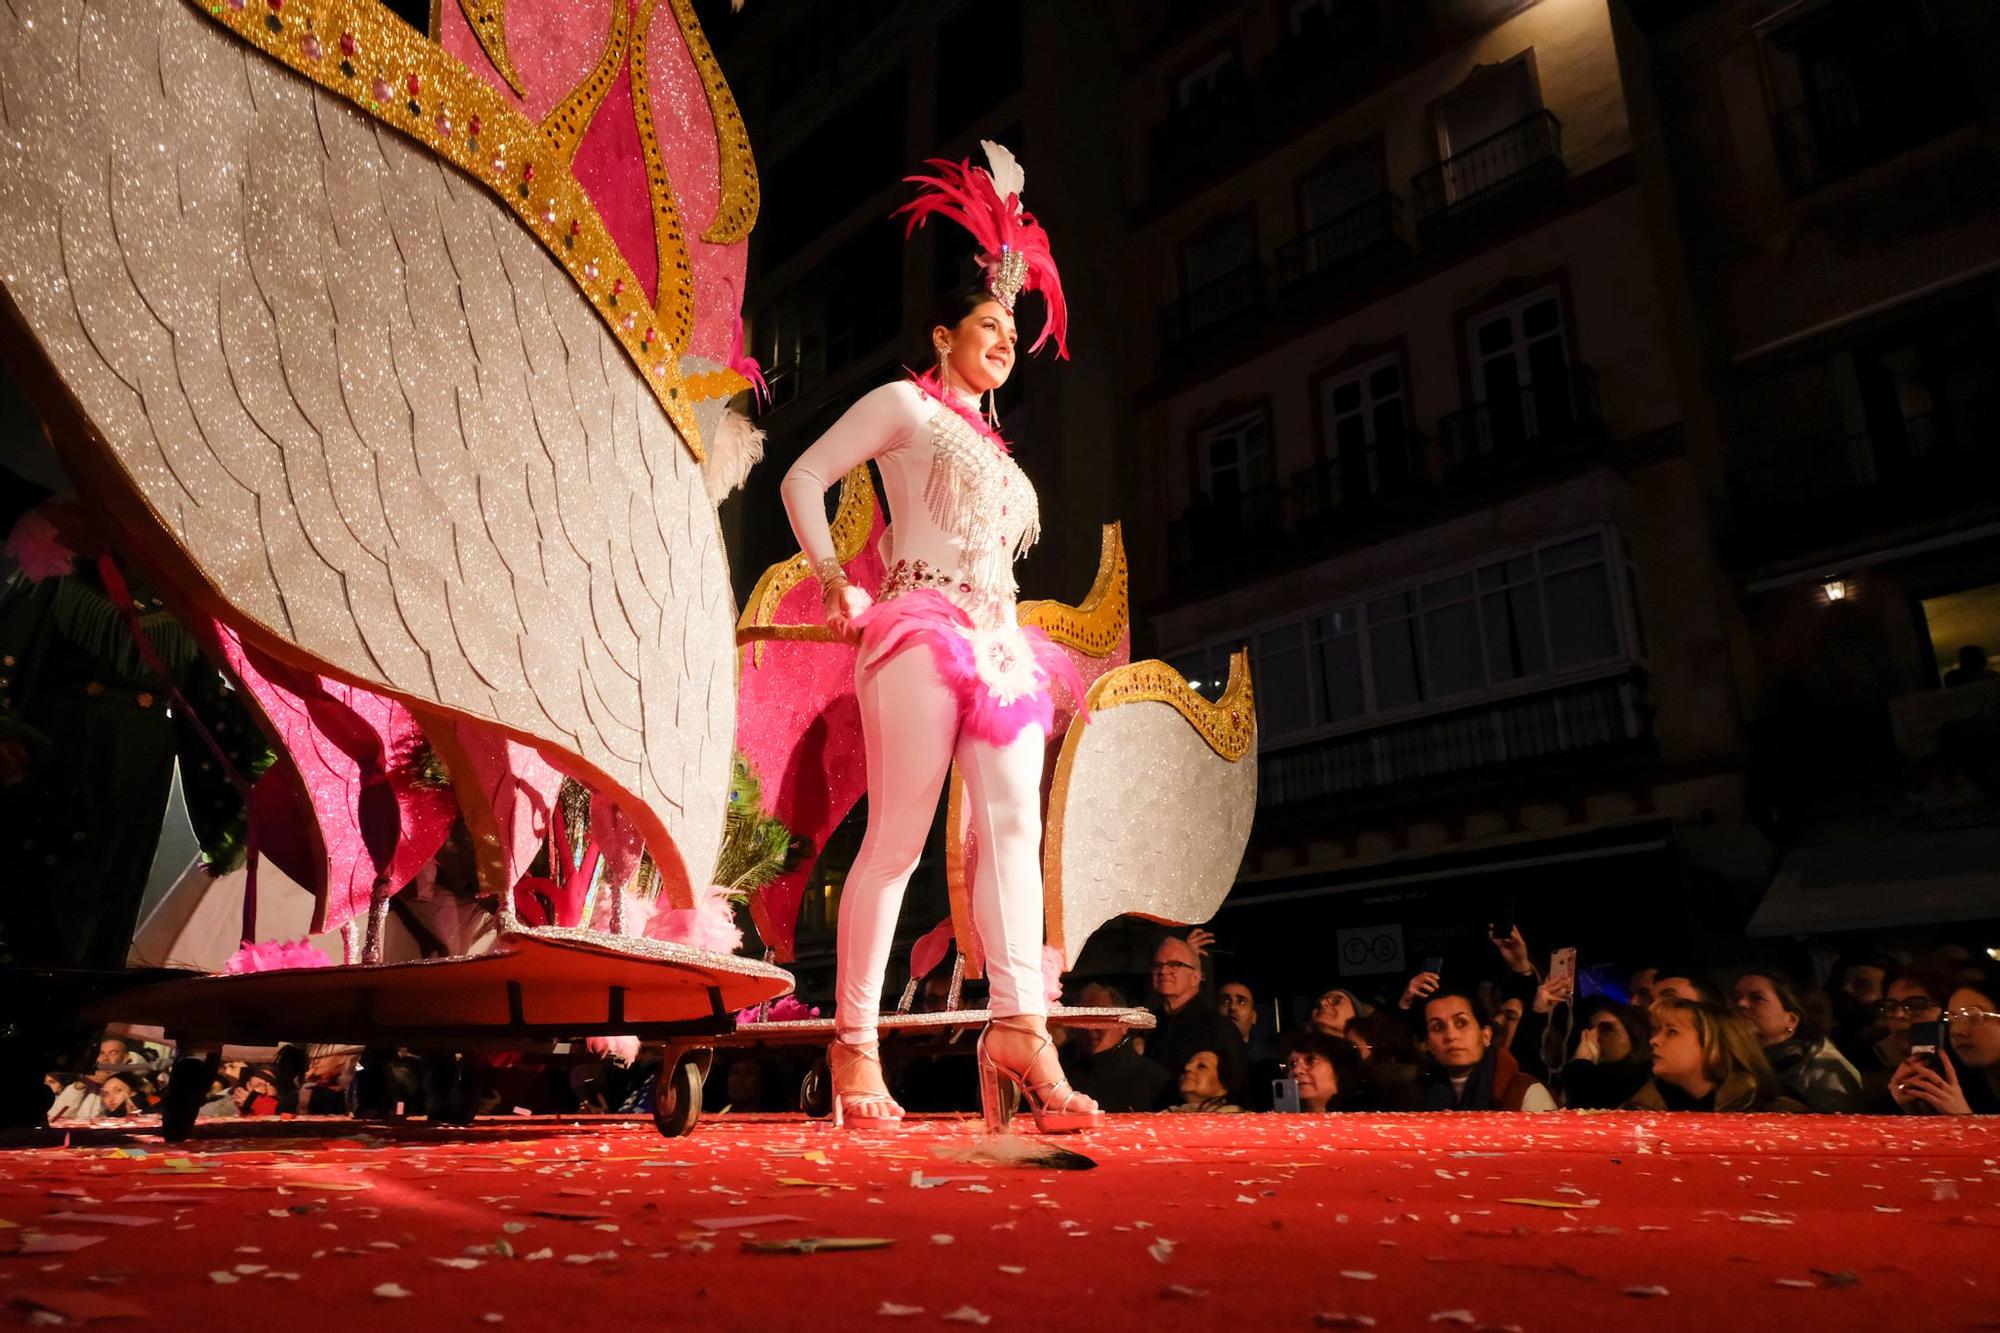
553,44
687,146
519,785
611,167
346,744
1090,669
798,726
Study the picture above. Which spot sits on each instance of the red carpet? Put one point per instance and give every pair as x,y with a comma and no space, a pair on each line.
1236,1222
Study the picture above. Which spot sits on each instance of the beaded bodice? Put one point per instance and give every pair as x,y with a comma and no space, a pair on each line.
983,516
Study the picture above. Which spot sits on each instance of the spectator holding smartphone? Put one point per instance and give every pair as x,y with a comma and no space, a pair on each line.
1963,1076
1810,1067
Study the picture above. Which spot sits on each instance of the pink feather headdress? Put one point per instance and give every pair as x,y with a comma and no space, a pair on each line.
1013,249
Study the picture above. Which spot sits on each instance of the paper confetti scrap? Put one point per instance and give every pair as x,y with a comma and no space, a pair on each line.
389,1291
814,1244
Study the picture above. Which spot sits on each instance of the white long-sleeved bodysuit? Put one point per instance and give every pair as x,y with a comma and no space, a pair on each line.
961,511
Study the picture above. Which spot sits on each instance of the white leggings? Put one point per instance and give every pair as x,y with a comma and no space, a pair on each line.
909,721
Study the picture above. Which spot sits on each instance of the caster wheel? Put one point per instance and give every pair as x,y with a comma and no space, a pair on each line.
677,1098
816,1091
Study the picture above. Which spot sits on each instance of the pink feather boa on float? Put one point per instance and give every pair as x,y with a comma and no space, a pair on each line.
710,924
274,956
999,690
1052,973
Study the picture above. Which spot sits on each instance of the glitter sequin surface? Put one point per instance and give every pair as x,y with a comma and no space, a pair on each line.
336,391
1147,816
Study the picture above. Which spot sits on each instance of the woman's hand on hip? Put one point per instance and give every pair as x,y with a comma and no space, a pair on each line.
843,605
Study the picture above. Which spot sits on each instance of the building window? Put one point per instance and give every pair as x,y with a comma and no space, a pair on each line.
1219,275
1520,371
1235,457
1208,80
966,87
1569,605
1363,424
1927,395
1853,84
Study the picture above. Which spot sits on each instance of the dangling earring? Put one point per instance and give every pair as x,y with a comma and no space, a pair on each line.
944,371
992,410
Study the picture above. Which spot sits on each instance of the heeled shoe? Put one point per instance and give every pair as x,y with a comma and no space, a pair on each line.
850,1106
1054,1105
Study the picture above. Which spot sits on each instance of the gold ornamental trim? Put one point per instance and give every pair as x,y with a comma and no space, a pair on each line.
1096,624
853,520
1229,724
742,196
359,51
488,21
673,293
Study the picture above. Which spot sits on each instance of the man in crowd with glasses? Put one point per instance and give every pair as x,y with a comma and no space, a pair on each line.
1188,1020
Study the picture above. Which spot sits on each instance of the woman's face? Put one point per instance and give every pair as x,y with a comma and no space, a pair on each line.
1453,1033
980,350
1908,1001
1756,1000
1201,1078
1975,1032
116,1097
1614,1043
1333,1013
1318,1084
1676,1050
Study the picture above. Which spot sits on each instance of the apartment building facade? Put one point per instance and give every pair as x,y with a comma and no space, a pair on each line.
1838,184
1413,425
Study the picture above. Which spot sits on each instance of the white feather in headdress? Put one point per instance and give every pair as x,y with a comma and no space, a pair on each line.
1008,177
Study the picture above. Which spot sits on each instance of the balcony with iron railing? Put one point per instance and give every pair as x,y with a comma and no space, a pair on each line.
1820,141
1204,136
1558,727
1320,67
1387,485
1837,488
1552,419
1493,177
1321,261
1218,311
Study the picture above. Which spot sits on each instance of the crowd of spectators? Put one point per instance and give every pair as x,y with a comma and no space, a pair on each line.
1912,1036
1878,1034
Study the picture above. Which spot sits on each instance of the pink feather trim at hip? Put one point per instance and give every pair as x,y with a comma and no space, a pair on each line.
999,692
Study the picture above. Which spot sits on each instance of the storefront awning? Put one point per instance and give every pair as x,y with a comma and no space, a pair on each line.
1884,882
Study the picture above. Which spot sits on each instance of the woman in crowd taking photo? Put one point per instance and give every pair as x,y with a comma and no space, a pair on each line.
1963,1077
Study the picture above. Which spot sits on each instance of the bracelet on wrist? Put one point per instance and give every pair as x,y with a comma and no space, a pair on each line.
831,576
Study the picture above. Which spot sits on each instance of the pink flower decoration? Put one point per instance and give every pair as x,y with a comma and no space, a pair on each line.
625,1050
789,1009
275,956
710,925
1052,970
38,547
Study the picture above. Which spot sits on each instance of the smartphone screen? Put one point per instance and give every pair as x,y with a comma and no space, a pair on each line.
1284,1094
1562,965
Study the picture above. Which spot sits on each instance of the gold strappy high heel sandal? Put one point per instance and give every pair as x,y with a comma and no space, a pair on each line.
853,1107
1056,1107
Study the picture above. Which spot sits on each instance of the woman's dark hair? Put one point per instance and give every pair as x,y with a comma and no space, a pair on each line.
1228,1069
1480,1013
1810,1029
1935,983
948,308
1336,1051
1637,1030
1388,1038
